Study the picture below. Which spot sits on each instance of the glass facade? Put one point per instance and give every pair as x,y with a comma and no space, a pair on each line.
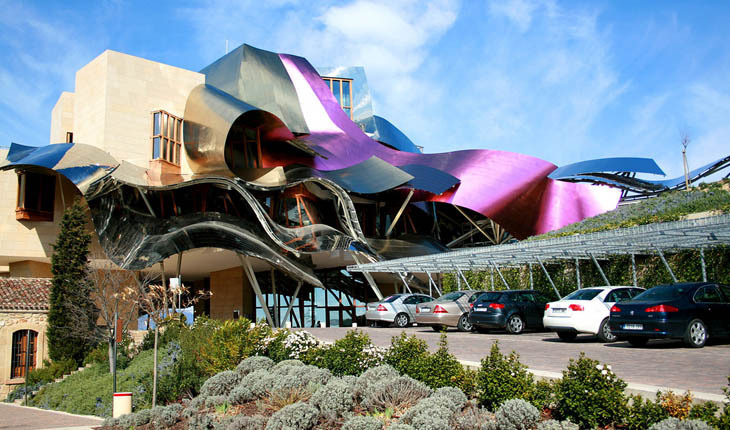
342,90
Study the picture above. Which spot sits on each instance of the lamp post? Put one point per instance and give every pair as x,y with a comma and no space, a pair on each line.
685,142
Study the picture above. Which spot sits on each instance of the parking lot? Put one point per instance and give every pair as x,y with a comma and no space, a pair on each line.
663,364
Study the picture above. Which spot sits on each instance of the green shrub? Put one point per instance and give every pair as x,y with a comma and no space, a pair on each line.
705,411
642,413
517,414
444,370
502,378
543,394
590,394
51,371
230,342
352,354
297,416
407,355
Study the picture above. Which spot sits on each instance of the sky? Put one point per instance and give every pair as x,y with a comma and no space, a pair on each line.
562,81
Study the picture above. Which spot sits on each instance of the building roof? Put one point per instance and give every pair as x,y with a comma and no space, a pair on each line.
24,294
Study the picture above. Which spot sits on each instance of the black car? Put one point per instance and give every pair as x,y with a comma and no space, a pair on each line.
690,311
513,310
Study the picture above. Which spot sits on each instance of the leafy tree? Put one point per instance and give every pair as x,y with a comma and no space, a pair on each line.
72,315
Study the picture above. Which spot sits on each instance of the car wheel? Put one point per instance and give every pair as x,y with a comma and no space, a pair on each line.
515,325
638,341
401,320
696,334
438,328
604,332
464,324
567,335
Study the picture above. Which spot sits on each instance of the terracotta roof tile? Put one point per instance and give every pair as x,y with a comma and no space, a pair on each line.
23,294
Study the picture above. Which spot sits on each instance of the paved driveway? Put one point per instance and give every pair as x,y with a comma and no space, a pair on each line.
665,364
22,418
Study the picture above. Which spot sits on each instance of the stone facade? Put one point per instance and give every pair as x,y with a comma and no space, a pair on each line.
10,322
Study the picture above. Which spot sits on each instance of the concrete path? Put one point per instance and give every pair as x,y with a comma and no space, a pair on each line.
26,418
660,365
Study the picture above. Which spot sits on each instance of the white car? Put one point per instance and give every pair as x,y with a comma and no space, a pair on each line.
586,311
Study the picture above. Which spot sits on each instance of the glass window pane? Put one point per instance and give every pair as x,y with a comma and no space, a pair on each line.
346,93
156,122
177,154
164,124
336,91
347,111
156,148
179,130
164,149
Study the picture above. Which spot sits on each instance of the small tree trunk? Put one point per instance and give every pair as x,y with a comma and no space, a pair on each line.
111,355
154,369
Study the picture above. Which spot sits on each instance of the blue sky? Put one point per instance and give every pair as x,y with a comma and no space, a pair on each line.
563,81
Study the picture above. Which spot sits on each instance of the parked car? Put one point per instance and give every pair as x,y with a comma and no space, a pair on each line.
449,310
692,312
586,311
513,310
398,309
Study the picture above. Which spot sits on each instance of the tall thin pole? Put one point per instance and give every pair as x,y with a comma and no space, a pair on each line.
114,359
577,272
704,267
633,269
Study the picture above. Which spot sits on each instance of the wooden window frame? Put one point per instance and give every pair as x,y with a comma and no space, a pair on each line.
169,137
328,80
18,352
25,212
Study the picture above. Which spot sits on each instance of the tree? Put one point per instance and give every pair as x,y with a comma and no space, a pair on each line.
72,330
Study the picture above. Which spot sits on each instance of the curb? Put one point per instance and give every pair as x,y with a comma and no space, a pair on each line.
90,417
644,390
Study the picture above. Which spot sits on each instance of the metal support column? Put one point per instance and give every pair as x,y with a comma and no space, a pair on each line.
704,267
473,223
600,270
500,274
291,304
146,202
669,269
405,284
532,282
400,212
633,269
370,280
255,285
432,282
491,278
577,272
548,277
464,277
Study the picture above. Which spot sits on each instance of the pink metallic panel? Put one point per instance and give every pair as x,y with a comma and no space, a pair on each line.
512,189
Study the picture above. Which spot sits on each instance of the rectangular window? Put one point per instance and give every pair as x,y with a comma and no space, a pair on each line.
342,90
36,193
20,352
166,137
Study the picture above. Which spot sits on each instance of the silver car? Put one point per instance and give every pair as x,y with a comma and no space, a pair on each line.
398,309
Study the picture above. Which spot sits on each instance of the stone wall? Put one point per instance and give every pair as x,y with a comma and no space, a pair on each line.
10,322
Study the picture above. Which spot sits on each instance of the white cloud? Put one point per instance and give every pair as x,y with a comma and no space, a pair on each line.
518,11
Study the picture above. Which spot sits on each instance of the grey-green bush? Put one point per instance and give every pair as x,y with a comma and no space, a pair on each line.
244,422
251,364
298,416
201,422
142,417
439,408
213,401
675,424
285,364
474,417
220,384
334,399
241,394
557,425
166,416
363,423
371,377
424,422
400,426
399,394
517,414
454,394
259,382
194,406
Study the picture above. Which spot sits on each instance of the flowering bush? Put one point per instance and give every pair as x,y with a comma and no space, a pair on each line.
352,354
590,394
299,343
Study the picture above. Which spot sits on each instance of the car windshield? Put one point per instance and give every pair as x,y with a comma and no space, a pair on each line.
392,298
662,292
587,294
490,297
450,297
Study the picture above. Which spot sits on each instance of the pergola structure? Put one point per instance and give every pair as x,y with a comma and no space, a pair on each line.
651,239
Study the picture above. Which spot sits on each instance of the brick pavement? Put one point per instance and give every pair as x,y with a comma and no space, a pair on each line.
665,364
22,418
